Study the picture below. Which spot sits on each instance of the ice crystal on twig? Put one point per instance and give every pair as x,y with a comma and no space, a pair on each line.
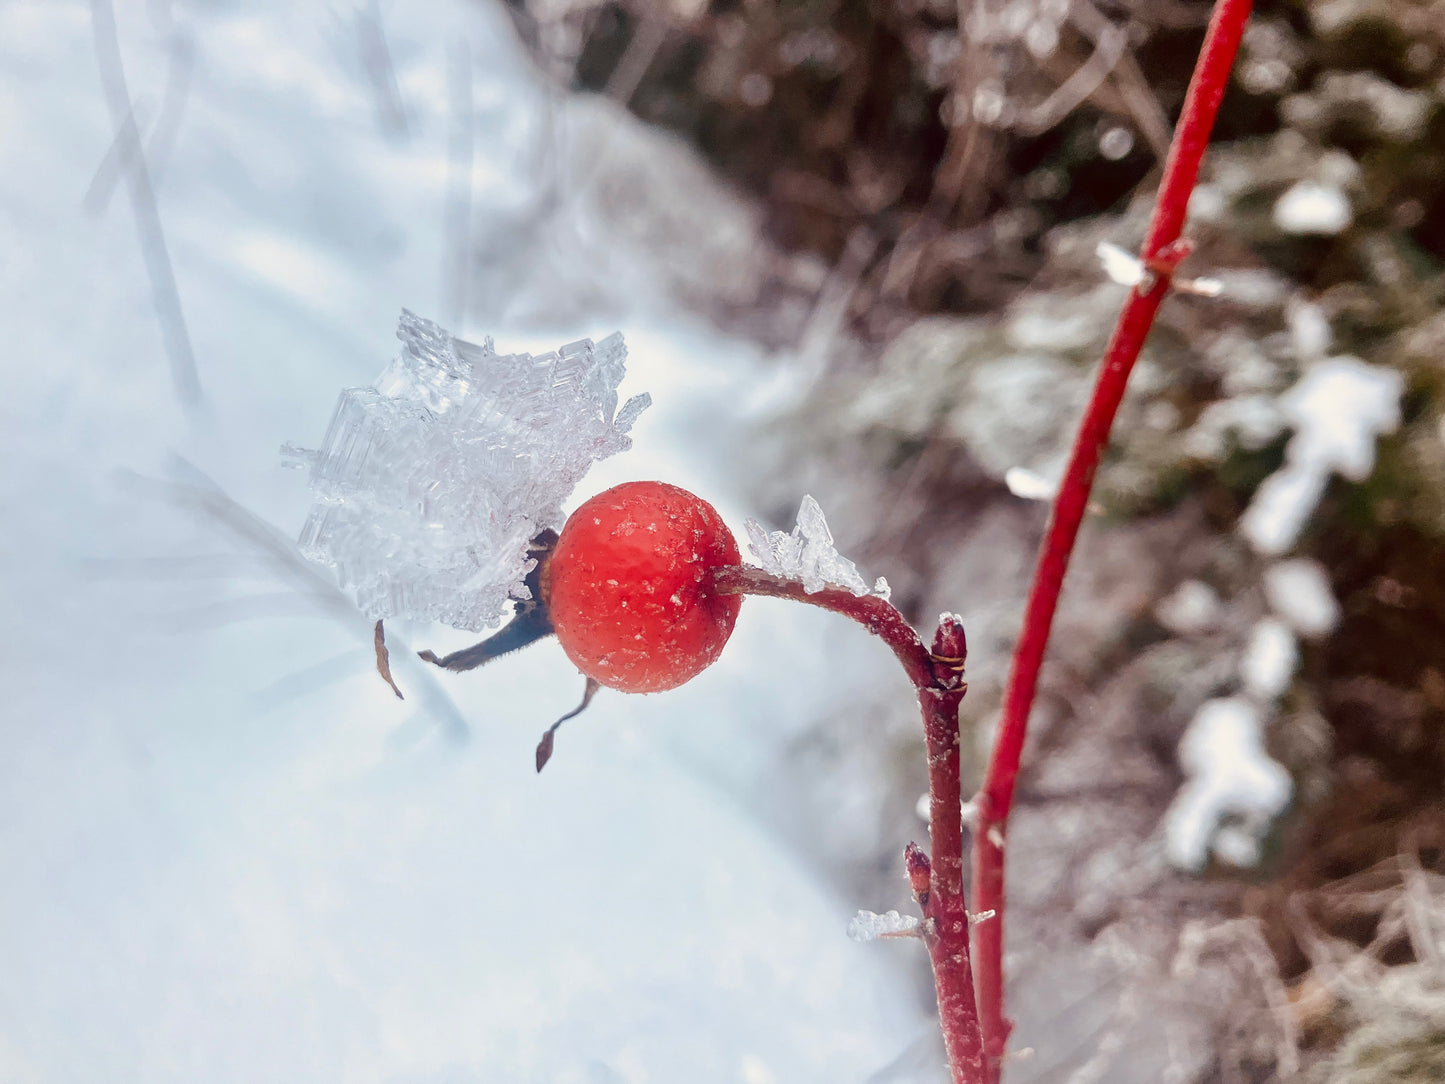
808,554
430,483
868,926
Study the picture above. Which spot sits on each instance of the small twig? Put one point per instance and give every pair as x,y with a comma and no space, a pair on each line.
937,675
1161,254
165,296
457,218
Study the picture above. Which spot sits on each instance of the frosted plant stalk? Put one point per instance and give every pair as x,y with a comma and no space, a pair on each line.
430,483
808,554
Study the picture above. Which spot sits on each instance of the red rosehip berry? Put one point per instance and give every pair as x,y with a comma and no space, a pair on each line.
629,587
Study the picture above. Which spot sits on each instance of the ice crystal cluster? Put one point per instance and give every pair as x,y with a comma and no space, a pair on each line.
430,483
869,926
808,554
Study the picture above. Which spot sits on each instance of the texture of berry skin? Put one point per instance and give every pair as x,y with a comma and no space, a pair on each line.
629,587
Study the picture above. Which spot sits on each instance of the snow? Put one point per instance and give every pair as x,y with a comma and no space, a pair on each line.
1232,781
1338,409
868,926
1299,591
229,853
1309,207
1270,657
1119,266
430,484
1030,485
807,554
1191,608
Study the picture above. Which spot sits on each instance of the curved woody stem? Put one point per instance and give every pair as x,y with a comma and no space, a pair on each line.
937,676
1163,251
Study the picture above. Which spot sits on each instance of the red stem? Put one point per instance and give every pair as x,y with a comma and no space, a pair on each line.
1162,253
937,675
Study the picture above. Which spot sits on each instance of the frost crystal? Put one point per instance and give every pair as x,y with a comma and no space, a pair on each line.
867,926
430,484
807,554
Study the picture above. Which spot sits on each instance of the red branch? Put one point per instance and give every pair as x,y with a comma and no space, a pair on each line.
1162,252
937,675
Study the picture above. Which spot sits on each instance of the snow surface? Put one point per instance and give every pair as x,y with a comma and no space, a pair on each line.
229,853
430,483
1338,409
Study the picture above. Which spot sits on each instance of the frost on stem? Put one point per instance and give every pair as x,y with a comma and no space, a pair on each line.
868,926
808,554
430,483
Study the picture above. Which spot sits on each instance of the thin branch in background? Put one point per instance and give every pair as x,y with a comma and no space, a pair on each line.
457,217
164,295
1109,48
1128,77
380,71
1162,253
642,47
202,497
181,63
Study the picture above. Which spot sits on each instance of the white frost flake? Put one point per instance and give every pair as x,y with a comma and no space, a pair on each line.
808,554
1192,607
1119,265
868,926
1270,658
1232,783
1299,591
430,484
1030,485
1337,409
1313,208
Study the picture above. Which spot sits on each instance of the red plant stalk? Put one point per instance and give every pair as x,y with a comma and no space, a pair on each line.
937,675
1163,250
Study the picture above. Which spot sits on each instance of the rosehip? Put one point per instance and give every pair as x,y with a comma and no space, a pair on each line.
629,588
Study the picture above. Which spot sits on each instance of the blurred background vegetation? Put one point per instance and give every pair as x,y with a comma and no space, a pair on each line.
931,179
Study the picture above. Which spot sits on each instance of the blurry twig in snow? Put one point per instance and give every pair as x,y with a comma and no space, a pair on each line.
308,679
383,659
646,39
165,296
181,63
830,308
457,252
201,496
380,71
